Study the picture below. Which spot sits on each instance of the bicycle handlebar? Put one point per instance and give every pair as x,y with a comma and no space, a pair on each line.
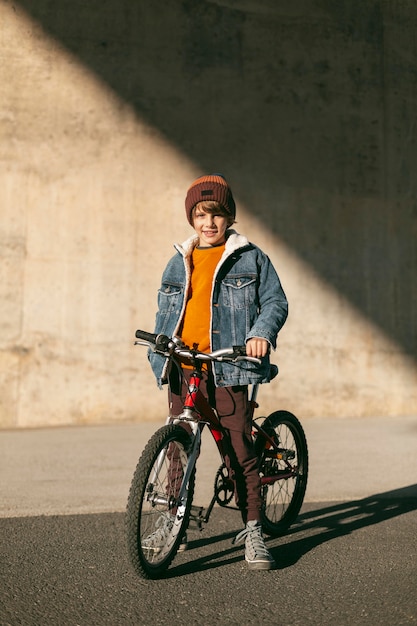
166,346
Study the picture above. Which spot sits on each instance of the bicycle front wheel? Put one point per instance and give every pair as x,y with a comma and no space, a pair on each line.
283,470
156,519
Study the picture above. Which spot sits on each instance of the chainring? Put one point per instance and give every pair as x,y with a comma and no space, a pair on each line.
224,488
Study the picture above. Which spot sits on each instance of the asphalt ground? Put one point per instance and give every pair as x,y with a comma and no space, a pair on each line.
351,557
88,469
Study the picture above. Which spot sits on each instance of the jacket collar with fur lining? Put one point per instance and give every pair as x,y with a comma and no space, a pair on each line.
234,241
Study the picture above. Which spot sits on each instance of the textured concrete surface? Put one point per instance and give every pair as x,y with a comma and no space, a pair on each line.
57,471
110,109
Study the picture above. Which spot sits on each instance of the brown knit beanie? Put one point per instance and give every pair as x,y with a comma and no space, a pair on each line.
212,187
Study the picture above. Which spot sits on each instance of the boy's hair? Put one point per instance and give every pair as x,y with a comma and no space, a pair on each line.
214,208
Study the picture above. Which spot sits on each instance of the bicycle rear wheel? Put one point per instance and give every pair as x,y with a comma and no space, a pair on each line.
155,519
283,473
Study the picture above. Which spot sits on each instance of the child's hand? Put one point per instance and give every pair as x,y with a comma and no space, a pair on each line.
257,347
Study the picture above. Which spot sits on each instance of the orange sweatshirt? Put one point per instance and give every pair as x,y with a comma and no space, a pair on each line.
196,324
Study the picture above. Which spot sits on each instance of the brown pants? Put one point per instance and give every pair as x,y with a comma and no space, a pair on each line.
232,406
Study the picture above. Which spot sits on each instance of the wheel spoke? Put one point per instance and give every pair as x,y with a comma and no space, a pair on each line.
156,520
283,470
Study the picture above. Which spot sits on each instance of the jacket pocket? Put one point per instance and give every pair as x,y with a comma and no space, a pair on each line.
239,291
168,297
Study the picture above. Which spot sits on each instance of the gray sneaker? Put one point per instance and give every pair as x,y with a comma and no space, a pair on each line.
183,544
156,540
257,555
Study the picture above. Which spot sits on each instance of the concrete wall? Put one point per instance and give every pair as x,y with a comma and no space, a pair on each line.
108,110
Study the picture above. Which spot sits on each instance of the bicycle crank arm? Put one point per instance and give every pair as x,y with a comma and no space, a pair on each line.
280,454
199,515
270,480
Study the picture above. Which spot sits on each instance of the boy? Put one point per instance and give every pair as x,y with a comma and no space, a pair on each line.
220,290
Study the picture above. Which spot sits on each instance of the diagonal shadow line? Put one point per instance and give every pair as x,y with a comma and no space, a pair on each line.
367,511
292,156
343,519
214,560
327,523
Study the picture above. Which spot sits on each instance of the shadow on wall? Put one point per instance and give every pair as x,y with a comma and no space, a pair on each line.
309,111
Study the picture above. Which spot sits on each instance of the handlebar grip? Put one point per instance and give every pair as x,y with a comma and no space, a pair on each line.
239,350
141,334
161,342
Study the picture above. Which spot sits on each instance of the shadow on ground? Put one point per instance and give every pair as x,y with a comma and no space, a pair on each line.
314,527
74,569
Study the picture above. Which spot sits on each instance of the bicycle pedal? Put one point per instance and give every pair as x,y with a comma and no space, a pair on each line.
197,517
281,455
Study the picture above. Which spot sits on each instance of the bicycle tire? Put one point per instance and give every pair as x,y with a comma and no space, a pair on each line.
154,488
282,498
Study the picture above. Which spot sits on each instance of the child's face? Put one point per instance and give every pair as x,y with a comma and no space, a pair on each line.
210,228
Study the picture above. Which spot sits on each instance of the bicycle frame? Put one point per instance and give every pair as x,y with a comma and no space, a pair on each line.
198,413
160,506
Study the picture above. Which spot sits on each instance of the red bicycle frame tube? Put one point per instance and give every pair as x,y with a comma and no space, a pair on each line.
195,400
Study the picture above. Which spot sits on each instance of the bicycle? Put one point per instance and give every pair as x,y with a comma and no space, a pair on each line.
162,486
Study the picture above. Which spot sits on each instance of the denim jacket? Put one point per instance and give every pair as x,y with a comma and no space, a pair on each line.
247,301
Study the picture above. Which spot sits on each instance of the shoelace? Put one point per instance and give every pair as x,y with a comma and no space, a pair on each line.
241,535
255,529
163,525
255,535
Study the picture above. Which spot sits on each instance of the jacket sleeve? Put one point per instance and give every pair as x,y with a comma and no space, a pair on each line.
273,305
170,304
